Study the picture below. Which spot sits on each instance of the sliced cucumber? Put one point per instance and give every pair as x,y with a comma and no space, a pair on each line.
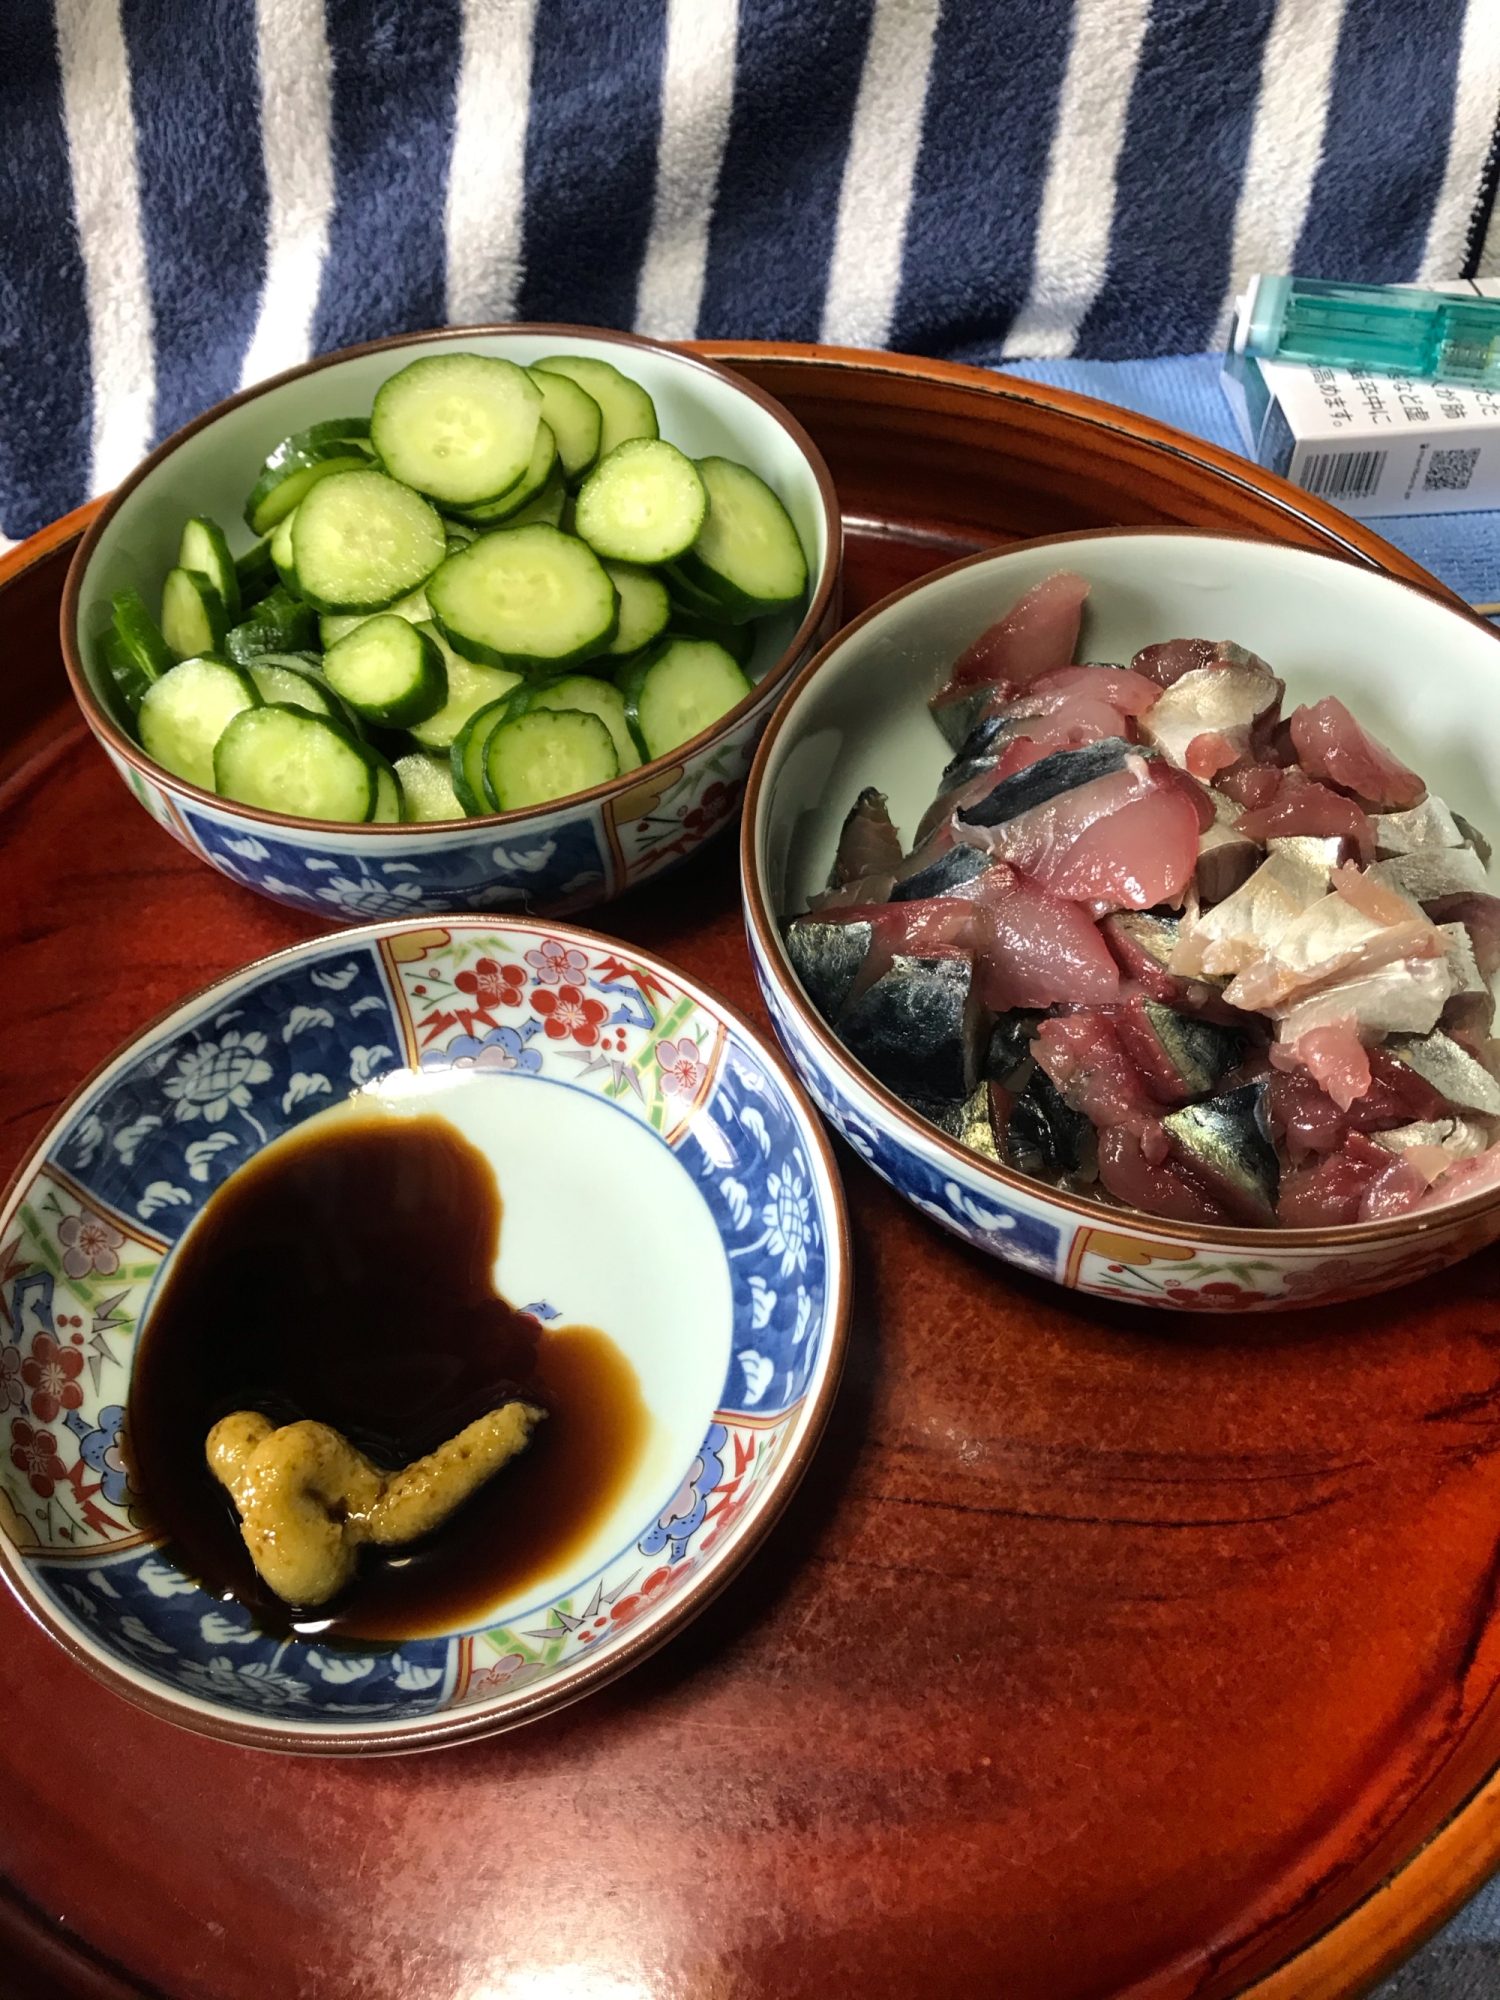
388,671
183,715
256,573
204,549
290,682
737,640
544,509
460,427
193,618
590,697
524,594
297,465
549,755
280,623
353,431
124,684
427,787
459,535
748,554
526,488
676,692
470,687
625,410
645,609
414,608
140,643
644,503
466,757
693,598
390,804
281,553
574,418
287,761
362,540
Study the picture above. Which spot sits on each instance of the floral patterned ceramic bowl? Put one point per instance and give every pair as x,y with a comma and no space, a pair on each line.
662,1177
562,857
1420,672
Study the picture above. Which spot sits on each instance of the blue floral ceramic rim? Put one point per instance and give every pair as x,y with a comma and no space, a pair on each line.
133,1156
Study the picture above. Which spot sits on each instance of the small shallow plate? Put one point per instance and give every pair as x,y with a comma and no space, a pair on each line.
662,1177
1420,672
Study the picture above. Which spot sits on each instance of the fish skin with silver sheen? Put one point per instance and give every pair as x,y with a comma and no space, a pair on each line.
1463,1138
958,718
1199,1051
980,750
1429,824
1218,700
1227,859
1247,925
827,958
917,1029
1431,872
1456,1075
953,868
1051,776
1225,1140
1010,1043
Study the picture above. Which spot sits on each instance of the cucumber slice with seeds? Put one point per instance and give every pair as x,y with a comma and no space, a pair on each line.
183,715
280,623
193,618
526,488
575,421
548,755
748,554
287,761
361,540
388,671
645,609
524,594
414,608
625,410
427,788
589,697
470,687
644,503
297,465
204,549
677,691
460,427
289,683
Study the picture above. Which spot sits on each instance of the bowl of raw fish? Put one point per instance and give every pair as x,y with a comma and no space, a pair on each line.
1125,901
563,856
662,1178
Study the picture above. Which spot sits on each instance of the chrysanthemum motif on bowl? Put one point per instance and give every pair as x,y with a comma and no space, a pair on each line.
476,1003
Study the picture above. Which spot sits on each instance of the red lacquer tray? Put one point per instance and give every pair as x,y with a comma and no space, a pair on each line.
1101,1653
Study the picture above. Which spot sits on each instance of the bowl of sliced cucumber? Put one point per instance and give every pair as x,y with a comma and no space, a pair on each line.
468,620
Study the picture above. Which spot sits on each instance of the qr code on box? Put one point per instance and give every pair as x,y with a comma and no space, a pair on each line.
1450,471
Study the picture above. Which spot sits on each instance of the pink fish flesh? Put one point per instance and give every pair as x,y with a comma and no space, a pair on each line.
1332,745
1037,634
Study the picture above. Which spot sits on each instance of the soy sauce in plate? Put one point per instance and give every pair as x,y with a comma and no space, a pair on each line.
345,1274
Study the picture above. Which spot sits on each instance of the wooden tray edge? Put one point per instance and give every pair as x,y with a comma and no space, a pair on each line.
1380,1932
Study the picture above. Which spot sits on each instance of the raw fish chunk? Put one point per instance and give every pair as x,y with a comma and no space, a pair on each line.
827,958
1224,703
1429,824
1038,633
868,844
1035,949
1223,1144
1405,997
1362,1182
1458,1077
1247,925
917,1028
1157,1187
1045,1136
1431,872
1331,744
1308,808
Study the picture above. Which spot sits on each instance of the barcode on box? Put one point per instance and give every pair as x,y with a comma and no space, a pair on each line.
1450,471
1351,475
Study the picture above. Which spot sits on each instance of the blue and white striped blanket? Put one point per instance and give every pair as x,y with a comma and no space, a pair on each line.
194,196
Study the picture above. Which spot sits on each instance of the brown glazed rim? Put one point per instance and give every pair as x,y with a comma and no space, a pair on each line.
108,730
1005,1179
444,1729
